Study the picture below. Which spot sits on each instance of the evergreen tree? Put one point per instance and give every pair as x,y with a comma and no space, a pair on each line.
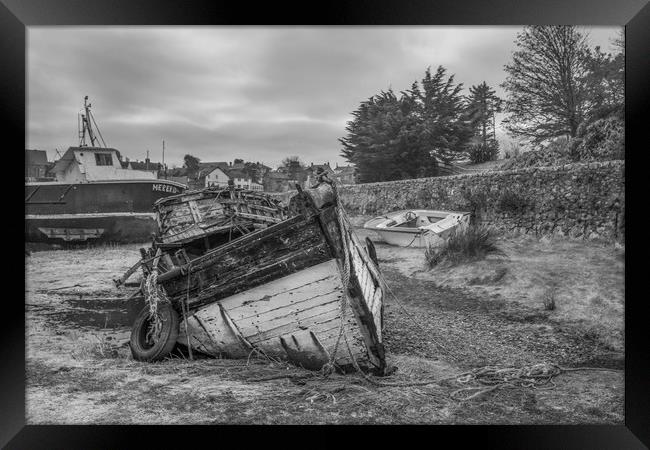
605,83
482,106
546,83
393,137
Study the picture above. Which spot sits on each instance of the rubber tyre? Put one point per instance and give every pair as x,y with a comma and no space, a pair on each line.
140,349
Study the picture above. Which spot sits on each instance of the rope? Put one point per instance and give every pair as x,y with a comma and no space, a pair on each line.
185,307
153,295
345,278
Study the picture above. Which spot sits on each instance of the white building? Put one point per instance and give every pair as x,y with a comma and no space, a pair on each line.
80,164
219,177
216,177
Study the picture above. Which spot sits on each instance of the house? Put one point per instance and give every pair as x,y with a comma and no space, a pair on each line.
36,165
344,174
79,164
220,175
216,177
242,180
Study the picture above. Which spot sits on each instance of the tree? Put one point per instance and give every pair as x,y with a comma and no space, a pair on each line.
605,83
295,168
482,105
446,128
192,164
391,137
546,83
252,170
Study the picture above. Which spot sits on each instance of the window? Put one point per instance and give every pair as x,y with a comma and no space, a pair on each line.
103,159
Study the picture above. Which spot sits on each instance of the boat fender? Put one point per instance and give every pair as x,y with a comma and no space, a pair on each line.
154,348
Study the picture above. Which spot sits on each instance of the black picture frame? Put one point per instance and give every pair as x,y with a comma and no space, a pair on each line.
16,15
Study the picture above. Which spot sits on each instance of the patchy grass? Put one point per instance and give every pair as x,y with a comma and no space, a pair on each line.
439,326
467,244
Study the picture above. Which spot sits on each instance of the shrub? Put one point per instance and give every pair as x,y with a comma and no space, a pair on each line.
603,139
510,201
481,153
476,199
555,153
466,244
548,299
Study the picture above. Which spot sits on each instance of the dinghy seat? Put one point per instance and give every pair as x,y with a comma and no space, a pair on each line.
422,222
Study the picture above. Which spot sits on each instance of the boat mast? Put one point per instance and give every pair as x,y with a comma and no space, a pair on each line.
85,124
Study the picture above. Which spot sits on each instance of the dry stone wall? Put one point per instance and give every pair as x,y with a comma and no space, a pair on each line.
578,200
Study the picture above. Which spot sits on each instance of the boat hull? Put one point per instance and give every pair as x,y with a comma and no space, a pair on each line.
120,211
65,228
295,318
418,228
304,289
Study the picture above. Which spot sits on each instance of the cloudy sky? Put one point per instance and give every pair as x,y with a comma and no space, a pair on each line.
257,93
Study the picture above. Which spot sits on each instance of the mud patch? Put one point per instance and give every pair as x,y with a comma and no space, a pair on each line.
112,313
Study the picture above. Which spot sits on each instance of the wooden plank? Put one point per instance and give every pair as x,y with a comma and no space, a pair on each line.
283,286
249,262
196,215
255,249
253,326
247,215
307,322
224,335
287,226
300,297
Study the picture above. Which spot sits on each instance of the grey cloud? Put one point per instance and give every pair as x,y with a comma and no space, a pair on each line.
226,92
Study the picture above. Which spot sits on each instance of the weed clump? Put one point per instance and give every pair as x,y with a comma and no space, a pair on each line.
466,244
548,299
510,201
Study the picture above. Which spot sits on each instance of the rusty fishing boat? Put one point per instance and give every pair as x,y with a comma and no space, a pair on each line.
233,272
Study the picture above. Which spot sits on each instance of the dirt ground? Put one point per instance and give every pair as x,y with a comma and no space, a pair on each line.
439,324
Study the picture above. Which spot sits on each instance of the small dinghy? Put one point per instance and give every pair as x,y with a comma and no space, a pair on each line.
418,227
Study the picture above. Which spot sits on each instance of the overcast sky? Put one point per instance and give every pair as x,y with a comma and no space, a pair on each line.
257,93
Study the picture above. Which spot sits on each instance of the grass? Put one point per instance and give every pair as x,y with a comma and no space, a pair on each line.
467,244
97,348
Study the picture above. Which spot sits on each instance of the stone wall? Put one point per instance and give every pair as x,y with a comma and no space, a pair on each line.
578,200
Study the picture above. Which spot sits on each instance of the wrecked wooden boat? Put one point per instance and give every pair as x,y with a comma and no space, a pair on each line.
233,273
418,227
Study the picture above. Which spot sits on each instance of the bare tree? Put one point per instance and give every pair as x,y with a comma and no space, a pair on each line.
547,96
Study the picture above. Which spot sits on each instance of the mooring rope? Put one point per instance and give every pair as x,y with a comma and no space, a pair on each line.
154,295
328,368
